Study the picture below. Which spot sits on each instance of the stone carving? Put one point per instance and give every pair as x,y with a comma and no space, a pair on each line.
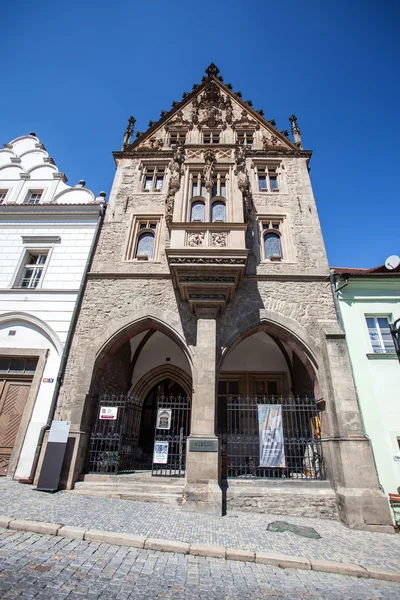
207,296
219,238
244,182
246,121
206,279
176,170
209,168
196,239
128,132
183,260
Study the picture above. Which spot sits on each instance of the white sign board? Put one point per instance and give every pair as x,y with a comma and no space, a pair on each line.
59,431
160,456
164,416
108,412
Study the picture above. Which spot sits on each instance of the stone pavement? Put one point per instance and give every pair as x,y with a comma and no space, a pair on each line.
241,530
54,568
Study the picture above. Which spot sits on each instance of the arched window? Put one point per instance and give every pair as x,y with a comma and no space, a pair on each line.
145,244
198,212
272,245
218,211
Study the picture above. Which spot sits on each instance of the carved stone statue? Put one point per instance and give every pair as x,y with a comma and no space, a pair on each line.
209,168
176,169
244,182
128,132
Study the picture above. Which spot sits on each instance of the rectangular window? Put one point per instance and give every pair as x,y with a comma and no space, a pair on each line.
379,334
153,180
34,197
3,194
32,270
245,138
274,237
211,137
267,176
177,137
17,365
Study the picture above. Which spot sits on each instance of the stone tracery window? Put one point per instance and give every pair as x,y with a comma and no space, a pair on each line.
144,238
145,246
272,246
153,178
267,177
274,234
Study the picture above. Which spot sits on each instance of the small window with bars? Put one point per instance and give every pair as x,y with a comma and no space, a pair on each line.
267,176
32,270
177,137
245,138
211,137
153,179
380,335
3,194
34,197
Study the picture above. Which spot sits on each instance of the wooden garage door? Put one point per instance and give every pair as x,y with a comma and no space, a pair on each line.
13,396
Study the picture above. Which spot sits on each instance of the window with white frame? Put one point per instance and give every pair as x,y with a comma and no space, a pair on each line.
177,137
143,238
31,274
272,230
153,178
34,197
380,335
211,137
245,137
3,195
267,177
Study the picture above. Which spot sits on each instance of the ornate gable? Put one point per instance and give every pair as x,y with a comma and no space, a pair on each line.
210,106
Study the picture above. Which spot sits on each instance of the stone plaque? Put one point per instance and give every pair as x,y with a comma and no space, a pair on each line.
203,445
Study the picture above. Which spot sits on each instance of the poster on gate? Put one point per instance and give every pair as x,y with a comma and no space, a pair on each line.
160,455
270,428
164,416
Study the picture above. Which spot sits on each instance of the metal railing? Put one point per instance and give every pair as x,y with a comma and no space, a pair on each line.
240,438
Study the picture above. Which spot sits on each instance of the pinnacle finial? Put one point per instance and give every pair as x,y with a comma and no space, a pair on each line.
296,131
128,132
212,70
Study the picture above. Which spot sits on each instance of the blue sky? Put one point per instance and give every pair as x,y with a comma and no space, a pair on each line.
75,71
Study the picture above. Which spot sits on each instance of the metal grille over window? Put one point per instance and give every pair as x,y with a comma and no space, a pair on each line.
33,270
270,437
380,335
145,245
272,245
198,211
218,212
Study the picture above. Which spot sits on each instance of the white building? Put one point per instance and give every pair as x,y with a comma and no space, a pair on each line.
369,301
47,233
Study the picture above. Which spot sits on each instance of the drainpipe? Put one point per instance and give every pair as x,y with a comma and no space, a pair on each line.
335,291
67,346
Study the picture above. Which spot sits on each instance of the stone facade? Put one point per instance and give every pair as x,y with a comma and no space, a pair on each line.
165,262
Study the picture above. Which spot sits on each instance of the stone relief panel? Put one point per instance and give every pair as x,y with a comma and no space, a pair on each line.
219,238
195,240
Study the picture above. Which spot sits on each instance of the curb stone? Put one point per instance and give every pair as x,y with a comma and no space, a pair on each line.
139,541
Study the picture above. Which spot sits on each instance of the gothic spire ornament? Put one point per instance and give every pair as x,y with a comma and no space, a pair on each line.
296,131
128,132
212,70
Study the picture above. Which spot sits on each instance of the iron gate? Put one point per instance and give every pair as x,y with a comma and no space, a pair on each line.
114,442
175,436
239,431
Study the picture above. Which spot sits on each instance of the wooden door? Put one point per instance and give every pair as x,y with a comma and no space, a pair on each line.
13,396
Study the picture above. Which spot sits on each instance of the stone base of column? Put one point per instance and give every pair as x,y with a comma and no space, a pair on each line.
202,492
203,498
362,508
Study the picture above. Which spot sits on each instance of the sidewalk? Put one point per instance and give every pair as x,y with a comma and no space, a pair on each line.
242,531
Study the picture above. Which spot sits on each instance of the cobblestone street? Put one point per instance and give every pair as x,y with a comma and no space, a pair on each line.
35,566
241,530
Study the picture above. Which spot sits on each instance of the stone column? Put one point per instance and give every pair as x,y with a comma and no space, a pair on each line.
349,456
202,492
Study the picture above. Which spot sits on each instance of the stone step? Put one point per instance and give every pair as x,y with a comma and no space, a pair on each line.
127,488
131,479
163,498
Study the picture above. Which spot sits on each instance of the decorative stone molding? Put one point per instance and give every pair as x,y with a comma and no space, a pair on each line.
219,238
196,239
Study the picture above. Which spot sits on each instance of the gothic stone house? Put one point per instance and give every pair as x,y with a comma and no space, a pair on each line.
209,308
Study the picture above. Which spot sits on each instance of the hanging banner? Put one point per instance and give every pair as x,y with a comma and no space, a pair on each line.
272,449
164,416
160,455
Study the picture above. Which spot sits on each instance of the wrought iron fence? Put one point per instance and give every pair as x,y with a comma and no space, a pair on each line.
114,441
240,447
172,439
